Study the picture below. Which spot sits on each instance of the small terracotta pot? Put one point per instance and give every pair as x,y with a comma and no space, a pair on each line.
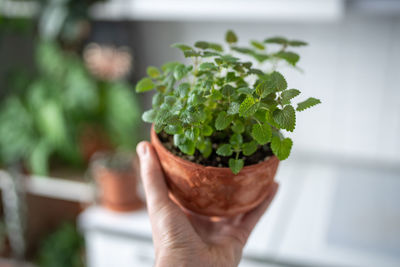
118,188
215,191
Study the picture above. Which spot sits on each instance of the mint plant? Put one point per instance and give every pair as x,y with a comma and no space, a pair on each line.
221,96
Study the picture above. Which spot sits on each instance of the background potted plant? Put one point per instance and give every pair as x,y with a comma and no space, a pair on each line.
218,122
117,177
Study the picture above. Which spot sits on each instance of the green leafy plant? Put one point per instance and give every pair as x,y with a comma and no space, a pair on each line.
63,247
221,94
48,115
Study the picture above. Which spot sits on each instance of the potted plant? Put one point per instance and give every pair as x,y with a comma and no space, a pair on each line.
116,176
218,122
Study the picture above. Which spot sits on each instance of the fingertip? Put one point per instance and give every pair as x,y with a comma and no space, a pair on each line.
142,148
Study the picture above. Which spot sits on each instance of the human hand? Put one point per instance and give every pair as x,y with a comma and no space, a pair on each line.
185,239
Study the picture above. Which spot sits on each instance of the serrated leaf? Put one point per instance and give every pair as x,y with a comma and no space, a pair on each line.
149,115
245,90
230,37
153,72
249,148
236,139
243,50
173,129
256,72
281,148
170,100
233,108
238,126
265,88
157,100
188,147
236,165
183,89
224,150
206,148
223,120
191,53
248,107
277,81
192,133
261,133
206,66
145,84
276,40
257,45
228,90
207,130
182,47
307,103
290,57
287,95
169,66
296,43
179,71
285,118
215,47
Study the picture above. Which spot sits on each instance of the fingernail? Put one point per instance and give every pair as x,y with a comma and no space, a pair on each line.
142,149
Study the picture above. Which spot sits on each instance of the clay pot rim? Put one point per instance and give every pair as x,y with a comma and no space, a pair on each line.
156,140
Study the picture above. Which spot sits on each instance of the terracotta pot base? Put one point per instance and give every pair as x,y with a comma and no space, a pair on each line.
215,191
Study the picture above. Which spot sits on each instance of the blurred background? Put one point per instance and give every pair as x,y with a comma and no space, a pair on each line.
70,120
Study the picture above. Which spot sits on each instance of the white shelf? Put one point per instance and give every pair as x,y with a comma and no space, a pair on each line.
54,188
221,10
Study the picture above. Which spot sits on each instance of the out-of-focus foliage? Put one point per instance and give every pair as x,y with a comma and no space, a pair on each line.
49,114
62,248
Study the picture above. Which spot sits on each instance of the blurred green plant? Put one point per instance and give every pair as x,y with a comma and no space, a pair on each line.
62,248
48,117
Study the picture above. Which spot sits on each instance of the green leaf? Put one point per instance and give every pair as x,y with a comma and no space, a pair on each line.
191,53
236,139
297,43
238,126
223,120
261,133
228,90
307,103
170,66
285,118
145,84
153,72
257,45
179,71
170,100
236,165
290,57
248,107
182,47
183,89
206,148
192,133
245,90
173,129
207,66
225,150
206,45
230,37
265,88
243,50
277,40
287,95
207,130
149,116
249,148
281,148
233,108
277,81
188,147
201,44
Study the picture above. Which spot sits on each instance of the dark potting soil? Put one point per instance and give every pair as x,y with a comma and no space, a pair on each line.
263,153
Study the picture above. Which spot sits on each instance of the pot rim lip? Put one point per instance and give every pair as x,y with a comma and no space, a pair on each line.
156,141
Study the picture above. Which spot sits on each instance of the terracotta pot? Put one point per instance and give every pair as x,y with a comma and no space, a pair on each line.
215,191
118,188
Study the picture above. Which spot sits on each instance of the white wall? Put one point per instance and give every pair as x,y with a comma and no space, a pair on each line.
351,65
